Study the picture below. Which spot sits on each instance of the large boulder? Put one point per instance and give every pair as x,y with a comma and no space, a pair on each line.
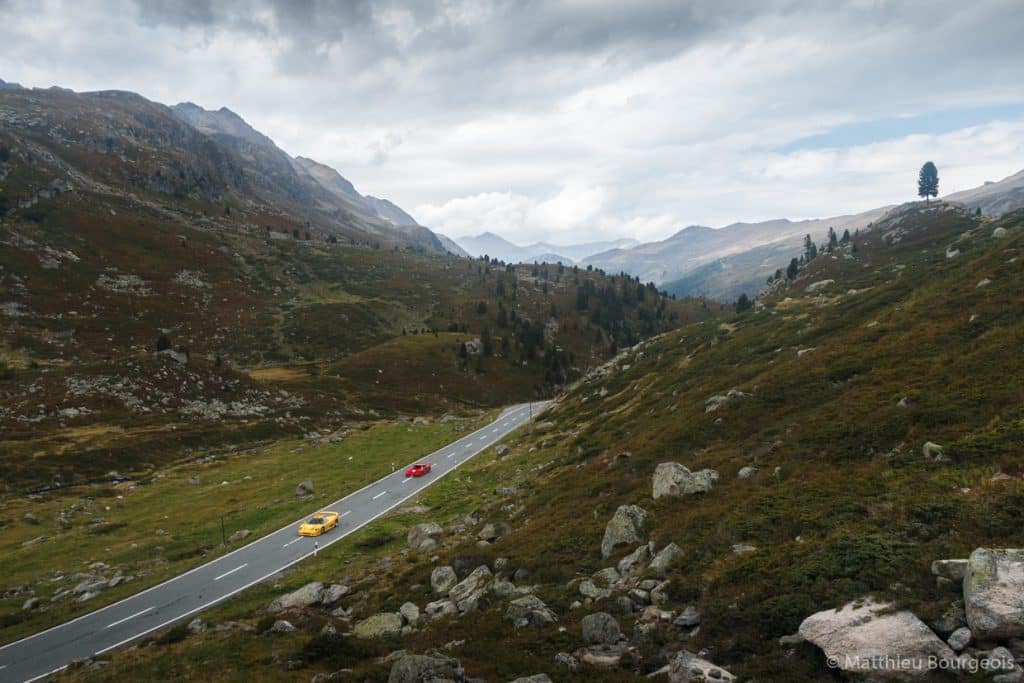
626,527
443,579
333,593
674,480
994,593
378,626
467,593
868,638
665,558
310,594
600,628
529,610
424,537
687,667
432,666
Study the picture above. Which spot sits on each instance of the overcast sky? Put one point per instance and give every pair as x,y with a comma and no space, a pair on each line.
575,120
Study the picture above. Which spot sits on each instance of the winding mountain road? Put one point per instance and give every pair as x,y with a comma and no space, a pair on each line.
112,626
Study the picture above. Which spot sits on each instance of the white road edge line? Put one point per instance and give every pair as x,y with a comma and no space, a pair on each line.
137,614
228,595
232,571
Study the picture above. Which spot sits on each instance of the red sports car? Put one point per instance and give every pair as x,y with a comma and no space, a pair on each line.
418,470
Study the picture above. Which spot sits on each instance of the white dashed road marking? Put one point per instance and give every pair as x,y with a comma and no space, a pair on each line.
241,566
378,495
346,512
292,541
121,621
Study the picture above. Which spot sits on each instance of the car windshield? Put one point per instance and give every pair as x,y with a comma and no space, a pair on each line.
316,520
419,467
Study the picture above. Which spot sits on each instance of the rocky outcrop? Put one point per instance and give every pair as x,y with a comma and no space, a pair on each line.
687,667
867,638
424,538
674,480
600,628
379,626
529,610
432,666
715,402
994,593
626,527
308,595
467,593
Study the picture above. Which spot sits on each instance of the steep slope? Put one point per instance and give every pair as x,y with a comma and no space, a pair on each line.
813,411
993,198
669,261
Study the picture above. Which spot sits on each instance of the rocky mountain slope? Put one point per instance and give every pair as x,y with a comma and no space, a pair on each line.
168,287
726,262
828,480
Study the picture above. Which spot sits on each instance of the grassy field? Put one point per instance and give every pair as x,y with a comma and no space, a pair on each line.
164,525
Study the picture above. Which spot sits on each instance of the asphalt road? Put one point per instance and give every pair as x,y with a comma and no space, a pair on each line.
115,625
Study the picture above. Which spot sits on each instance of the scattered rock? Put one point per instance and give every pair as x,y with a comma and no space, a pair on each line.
536,678
308,595
588,589
931,450
378,626
501,450
424,538
197,625
747,472
815,287
955,570
529,610
238,535
34,541
663,561
687,667
999,233
743,548
625,526
410,613
960,638
633,563
688,618
600,628
305,488
860,636
30,518
432,666
443,579
675,480
715,402
440,608
994,593
282,626
467,593
567,660
30,604
985,282
333,593
492,532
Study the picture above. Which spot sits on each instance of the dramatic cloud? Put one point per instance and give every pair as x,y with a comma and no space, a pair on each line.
569,120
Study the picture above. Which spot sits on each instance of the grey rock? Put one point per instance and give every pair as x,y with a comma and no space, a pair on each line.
607,576
308,595
30,604
440,608
960,639
492,532
501,450
999,233
665,558
633,563
687,667
305,488
747,472
600,628
672,479
378,626
197,625
282,626
238,535
689,617
588,589
860,633
931,450
530,610
410,613
567,660
443,579
953,618
431,667
424,537
626,526
536,678
467,593
333,593
994,593
30,518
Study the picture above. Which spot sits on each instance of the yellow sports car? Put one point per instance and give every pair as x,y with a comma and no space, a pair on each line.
320,523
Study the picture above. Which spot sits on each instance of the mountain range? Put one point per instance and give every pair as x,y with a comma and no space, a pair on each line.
498,247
